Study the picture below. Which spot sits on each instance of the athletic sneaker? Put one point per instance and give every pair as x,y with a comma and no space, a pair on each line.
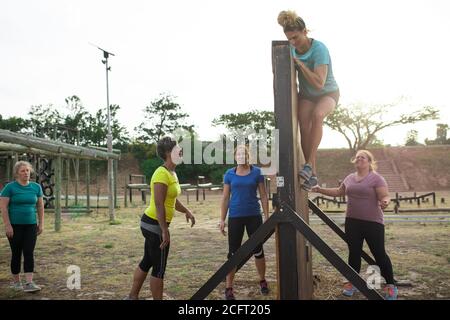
391,292
129,298
313,181
349,290
306,172
263,287
306,186
31,287
229,295
17,286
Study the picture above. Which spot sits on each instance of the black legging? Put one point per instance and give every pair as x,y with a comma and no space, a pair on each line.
23,241
236,227
373,232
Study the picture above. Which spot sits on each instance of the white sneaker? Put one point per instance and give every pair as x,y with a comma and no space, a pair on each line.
17,286
31,287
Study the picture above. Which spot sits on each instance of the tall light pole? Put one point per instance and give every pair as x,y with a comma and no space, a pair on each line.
106,55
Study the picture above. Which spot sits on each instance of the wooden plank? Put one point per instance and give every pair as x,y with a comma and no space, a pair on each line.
54,146
333,226
295,275
348,272
239,258
27,149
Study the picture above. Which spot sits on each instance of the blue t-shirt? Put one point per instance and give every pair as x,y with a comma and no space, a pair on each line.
22,201
316,55
243,201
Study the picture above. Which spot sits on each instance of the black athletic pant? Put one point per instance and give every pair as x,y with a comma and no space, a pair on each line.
23,241
236,227
154,258
356,232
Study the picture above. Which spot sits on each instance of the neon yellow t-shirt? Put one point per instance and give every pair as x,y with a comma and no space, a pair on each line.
162,175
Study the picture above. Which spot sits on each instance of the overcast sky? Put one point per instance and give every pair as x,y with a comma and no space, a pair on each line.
215,56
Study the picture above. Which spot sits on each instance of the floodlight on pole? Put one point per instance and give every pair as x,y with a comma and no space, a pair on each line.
106,55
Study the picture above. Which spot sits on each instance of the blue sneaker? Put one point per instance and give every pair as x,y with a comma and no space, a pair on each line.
309,184
349,290
313,181
306,172
391,292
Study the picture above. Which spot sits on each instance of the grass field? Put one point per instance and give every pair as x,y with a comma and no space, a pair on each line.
108,254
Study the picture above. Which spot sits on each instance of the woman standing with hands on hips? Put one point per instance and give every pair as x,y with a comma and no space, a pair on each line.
318,92
367,197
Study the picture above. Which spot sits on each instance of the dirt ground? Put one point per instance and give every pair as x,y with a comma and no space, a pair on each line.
108,254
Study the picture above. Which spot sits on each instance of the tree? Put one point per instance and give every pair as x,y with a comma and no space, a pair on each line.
43,120
253,120
97,128
76,121
162,116
15,124
360,124
441,135
412,138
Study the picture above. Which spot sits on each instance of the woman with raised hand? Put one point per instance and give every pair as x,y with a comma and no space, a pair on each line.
367,197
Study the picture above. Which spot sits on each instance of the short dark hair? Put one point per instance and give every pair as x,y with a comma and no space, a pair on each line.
165,145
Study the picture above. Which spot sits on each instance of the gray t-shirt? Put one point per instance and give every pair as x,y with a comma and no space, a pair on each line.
362,201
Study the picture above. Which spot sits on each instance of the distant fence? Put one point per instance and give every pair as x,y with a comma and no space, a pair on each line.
418,199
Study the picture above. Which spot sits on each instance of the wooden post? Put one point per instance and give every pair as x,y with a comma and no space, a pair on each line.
295,275
67,181
15,158
115,170
125,192
131,193
77,178
8,168
58,180
88,182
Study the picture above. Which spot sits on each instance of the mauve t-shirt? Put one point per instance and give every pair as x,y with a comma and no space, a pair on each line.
362,201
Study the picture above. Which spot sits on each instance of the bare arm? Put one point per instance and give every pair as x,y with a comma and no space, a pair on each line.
264,200
4,202
383,197
317,77
224,207
40,212
181,208
332,192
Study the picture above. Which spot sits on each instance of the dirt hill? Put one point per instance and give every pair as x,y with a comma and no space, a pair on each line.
423,168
